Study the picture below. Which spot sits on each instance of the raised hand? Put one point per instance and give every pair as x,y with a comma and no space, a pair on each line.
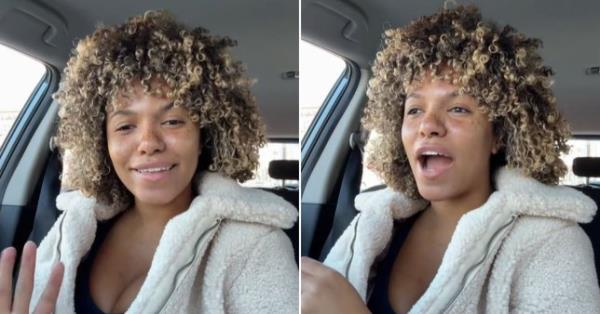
324,290
22,297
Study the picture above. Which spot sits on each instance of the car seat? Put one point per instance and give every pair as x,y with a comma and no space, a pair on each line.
287,170
589,167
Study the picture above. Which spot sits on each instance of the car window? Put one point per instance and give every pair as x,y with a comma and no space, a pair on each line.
320,69
19,76
580,148
369,179
274,151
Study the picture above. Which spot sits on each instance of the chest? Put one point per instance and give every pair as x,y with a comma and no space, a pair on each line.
414,268
120,269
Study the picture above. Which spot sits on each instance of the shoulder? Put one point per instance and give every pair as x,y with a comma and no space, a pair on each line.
535,232
241,239
552,263
240,232
242,251
222,197
534,237
260,274
542,249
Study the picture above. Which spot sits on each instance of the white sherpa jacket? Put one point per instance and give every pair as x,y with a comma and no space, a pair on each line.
225,254
521,251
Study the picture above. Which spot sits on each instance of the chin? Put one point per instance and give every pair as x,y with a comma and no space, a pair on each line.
437,193
155,198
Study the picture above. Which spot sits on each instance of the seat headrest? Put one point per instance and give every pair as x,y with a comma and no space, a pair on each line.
284,169
586,166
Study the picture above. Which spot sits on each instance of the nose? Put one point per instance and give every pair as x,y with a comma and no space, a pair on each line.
432,125
151,141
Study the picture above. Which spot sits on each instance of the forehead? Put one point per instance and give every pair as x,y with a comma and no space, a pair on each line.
443,79
432,87
134,93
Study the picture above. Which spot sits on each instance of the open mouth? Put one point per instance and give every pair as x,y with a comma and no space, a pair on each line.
434,163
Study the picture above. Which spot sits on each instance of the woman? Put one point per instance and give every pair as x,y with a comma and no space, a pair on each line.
468,142
158,123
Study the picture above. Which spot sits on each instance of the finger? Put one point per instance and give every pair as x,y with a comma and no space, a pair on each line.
48,301
7,262
315,268
318,277
309,265
311,275
25,281
306,282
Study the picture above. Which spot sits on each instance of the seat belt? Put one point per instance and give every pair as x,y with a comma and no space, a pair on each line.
46,212
350,187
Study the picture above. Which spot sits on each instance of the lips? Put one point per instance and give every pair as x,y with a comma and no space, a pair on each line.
433,161
153,167
154,172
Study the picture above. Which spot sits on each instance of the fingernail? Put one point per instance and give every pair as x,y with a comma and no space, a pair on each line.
58,265
5,251
29,243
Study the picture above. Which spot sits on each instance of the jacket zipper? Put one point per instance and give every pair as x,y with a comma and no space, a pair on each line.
60,236
347,271
186,265
472,268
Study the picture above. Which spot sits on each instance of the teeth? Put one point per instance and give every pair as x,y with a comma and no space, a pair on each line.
431,153
152,170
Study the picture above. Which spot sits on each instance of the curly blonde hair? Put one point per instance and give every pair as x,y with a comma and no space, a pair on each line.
195,70
498,66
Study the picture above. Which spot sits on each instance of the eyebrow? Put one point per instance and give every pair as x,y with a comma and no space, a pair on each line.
127,112
452,94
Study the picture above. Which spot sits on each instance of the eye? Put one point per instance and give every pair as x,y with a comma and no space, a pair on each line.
459,109
412,111
124,128
173,122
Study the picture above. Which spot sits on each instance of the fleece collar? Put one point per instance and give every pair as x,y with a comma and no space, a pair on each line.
234,202
478,233
521,195
185,238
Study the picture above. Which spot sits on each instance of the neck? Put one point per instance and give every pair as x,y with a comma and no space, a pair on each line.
159,214
449,211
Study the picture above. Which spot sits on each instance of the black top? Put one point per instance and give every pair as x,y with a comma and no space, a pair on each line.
379,301
83,297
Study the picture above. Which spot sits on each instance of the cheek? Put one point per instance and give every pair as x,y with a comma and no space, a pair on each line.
474,135
407,135
116,151
113,146
187,142
483,128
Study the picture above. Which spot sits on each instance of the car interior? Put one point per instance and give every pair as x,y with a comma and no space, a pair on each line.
47,30
332,148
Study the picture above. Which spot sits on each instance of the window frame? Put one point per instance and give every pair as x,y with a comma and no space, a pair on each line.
24,126
326,118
